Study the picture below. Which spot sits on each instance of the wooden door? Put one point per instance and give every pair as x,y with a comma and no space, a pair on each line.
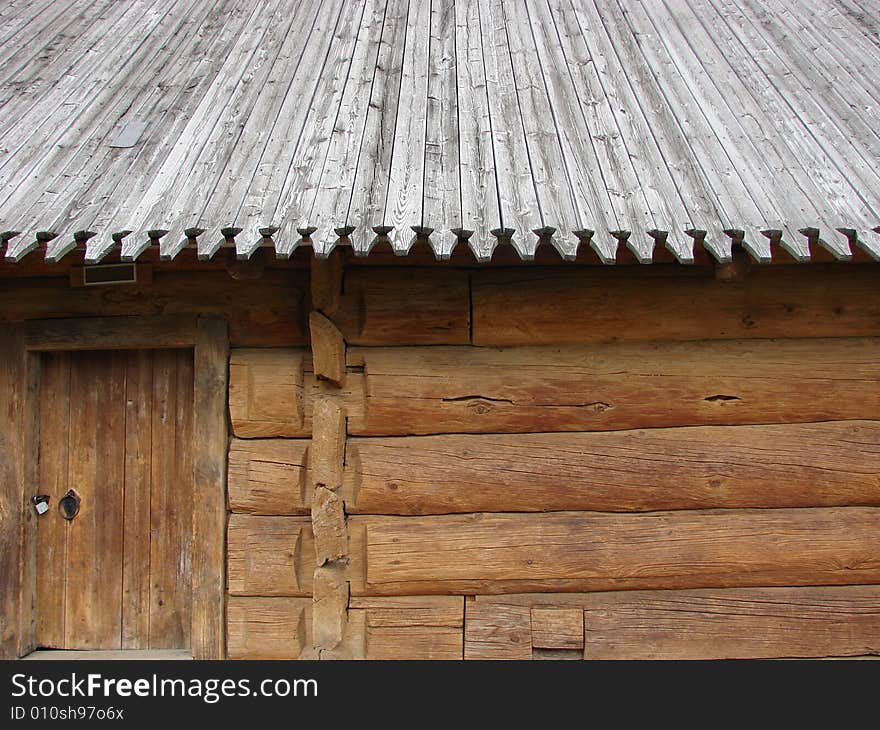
116,427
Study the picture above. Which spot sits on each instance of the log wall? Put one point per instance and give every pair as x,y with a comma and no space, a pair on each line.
540,462
568,464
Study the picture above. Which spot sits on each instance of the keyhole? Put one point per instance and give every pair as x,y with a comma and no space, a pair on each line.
69,505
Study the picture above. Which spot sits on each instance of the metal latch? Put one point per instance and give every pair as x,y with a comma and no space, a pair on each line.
41,503
69,505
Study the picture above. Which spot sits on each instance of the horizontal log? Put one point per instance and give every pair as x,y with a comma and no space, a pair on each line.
266,392
616,386
268,313
834,463
726,623
566,305
752,624
428,306
112,333
270,556
410,611
267,628
272,393
414,643
589,551
268,476
412,627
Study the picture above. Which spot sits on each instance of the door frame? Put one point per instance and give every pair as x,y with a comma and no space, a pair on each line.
208,336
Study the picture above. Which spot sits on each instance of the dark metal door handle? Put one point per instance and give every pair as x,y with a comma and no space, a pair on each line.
69,505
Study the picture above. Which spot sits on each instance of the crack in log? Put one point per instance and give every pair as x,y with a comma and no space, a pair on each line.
720,398
464,398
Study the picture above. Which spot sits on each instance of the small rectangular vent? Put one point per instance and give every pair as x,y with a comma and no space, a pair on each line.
110,274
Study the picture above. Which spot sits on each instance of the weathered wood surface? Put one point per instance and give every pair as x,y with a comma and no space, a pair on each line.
270,556
52,533
330,592
726,623
327,450
12,495
494,631
588,551
510,114
265,392
111,333
794,465
139,469
270,314
267,628
97,437
411,627
173,509
557,628
566,306
268,477
753,623
328,349
273,392
616,386
426,307
325,277
209,464
117,427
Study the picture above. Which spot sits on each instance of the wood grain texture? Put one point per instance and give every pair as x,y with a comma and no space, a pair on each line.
734,623
265,392
479,197
328,349
584,551
327,450
210,444
790,302
274,391
795,465
557,628
427,307
270,314
268,476
616,386
497,632
52,533
412,627
705,116
171,501
96,467
137,532
12,498
111,333
266,628
270,556
325,278
811,621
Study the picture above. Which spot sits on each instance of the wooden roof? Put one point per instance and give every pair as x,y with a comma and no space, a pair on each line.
596,123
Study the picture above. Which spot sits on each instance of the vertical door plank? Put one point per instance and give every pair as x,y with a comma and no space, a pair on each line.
97,428
210,446
136,500
184,526
109,493
82,458
165,508
12,378
52,527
